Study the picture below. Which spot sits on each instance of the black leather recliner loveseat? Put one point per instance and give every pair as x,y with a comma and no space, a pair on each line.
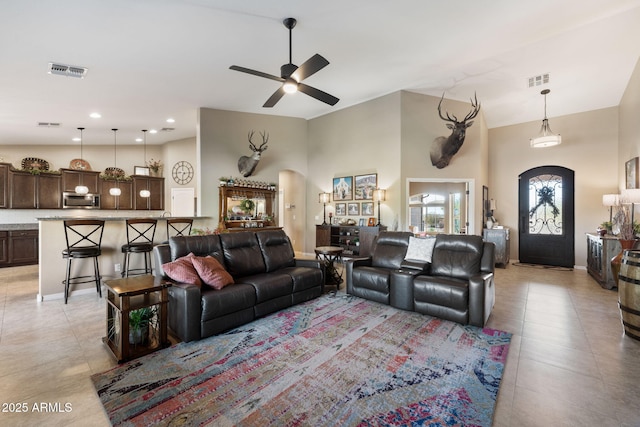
457,284
267,278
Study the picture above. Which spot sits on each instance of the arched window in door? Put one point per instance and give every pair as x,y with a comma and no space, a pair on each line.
545,204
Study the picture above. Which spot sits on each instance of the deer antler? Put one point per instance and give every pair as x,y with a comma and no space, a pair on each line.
476,108
251,144
265,139
446,119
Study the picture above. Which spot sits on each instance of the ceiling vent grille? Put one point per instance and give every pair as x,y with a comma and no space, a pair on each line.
67,70
167,129
48,125
540,80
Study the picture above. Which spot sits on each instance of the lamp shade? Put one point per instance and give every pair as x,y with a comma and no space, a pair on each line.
379,195
546,137
610,199
324,197
631,195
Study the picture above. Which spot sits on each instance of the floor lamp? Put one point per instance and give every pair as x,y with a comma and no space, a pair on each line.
324,198
379,196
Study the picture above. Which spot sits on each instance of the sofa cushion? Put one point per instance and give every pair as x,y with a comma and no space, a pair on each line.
456,256
242,254
276,249
390,249
373,278
211,272
182,270
230,299
269,286
420,249
303,277
442,291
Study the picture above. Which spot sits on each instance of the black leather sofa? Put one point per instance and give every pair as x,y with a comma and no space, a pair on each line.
458,283
267,278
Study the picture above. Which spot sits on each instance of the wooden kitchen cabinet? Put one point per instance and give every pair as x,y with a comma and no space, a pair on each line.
123,201
72,178
4,185
49,191
18,247
23,190
155,185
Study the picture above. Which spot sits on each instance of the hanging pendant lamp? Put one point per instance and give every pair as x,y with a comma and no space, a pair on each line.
546,137
80,188
145,193
115,191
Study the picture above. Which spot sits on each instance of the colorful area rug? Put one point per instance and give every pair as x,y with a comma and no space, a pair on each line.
334,361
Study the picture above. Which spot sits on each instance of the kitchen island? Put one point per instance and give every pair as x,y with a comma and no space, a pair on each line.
52,242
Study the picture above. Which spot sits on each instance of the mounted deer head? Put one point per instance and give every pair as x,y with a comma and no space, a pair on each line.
246,165
444,148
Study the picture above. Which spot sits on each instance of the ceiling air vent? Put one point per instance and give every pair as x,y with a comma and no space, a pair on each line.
48,125
540,80
67,70
167,129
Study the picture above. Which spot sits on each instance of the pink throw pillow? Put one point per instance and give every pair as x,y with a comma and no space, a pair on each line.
182,270
212,272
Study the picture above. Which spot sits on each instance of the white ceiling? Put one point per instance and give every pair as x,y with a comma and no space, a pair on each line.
153,59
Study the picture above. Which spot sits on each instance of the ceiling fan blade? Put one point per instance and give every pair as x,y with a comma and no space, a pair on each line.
318,94
274,98
256,73
311,66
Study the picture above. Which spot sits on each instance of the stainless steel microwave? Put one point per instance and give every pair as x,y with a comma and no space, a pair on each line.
80,201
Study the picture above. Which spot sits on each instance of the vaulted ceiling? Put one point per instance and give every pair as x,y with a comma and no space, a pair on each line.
149,60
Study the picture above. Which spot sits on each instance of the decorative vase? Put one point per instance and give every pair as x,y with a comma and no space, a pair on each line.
489,224
616,261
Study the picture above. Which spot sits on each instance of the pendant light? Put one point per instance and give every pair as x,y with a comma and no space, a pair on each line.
115,191
80,188
546,138
145,193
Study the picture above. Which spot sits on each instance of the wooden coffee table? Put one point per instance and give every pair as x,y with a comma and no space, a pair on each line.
127,298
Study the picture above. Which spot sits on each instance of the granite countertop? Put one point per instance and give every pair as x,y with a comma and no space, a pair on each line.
12,227
114,218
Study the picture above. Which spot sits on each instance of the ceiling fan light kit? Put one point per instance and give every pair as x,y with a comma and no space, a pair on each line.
291,76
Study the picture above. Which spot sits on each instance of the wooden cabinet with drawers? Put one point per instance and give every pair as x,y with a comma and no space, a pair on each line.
18,247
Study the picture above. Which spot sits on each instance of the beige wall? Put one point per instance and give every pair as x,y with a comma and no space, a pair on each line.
222,140
629,124
589,147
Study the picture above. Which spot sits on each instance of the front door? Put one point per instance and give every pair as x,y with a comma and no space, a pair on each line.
546,216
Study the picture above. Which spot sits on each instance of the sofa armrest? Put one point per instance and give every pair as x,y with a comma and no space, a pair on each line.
185,311
481,298
414,264
161,255
350,265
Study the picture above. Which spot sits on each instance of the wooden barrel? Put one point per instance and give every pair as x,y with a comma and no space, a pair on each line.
629,293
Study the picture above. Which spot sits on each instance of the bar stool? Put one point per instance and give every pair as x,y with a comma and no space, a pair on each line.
178,227
140,233
84,239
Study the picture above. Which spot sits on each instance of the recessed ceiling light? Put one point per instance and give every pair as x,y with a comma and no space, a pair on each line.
138,139
153,131
170,120
76,139
95,115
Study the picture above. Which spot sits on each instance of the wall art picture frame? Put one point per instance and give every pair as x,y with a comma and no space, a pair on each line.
343,188
631,173
372,222
141,170
353,209
367,208
341,209
361,222
364,186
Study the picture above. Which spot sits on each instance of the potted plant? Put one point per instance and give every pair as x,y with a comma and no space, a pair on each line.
223,181
155,166
139,321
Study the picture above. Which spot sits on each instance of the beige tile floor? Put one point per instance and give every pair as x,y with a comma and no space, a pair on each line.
569,363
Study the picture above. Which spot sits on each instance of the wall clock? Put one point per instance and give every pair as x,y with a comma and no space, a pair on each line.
182,172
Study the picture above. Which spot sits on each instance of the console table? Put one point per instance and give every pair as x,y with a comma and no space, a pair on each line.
600,250
128,298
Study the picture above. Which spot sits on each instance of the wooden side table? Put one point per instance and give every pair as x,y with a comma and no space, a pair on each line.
141,299
329,255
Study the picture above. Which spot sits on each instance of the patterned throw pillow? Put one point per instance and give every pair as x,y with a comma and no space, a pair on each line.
182,270
212,272
420,249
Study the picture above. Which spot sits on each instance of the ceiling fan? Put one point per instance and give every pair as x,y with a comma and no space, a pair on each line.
291,75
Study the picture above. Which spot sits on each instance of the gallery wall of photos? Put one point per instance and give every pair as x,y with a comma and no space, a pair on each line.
353,196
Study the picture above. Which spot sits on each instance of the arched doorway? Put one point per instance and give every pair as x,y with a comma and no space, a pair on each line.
546,216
